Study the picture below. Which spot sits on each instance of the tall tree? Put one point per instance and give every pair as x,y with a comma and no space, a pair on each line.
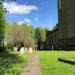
2,24
40,33
37,34
20,35
43,33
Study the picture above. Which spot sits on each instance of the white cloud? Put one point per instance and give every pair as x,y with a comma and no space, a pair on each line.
15,8
27,20
20,22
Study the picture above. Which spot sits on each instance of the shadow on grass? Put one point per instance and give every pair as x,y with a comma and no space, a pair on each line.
66,61
7,61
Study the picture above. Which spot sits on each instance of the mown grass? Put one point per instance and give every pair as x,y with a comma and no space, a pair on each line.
12,64
51,66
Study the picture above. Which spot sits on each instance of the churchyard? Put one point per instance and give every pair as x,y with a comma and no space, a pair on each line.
51,66
13,63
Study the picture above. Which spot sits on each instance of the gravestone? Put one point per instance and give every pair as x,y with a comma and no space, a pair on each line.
15,49
30,50
22,50
26,49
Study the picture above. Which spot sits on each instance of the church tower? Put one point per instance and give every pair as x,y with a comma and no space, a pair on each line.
66,16
66,13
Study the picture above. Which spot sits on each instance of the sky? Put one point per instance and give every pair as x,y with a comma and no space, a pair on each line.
33,12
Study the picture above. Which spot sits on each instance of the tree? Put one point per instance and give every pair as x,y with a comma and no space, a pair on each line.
31,36
27,33
43,33
37,34
7,36
20,36
2,24
40,34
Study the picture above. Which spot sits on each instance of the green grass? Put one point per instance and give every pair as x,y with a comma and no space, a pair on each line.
12,64
51,66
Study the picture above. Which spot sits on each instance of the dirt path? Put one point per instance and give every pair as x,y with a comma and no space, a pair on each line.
33,66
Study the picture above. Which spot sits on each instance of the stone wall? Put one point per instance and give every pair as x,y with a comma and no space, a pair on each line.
66,13
67,19
52,39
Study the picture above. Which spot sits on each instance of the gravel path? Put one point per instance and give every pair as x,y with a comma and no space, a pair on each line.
33,66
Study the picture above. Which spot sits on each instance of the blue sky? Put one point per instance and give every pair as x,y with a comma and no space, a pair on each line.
35,12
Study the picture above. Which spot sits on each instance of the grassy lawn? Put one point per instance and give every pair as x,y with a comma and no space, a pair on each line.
51,66
12,64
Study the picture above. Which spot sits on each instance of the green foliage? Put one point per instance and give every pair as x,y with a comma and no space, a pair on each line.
20,35
40,33
2,26
37,34
12,63
43,33
51,66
